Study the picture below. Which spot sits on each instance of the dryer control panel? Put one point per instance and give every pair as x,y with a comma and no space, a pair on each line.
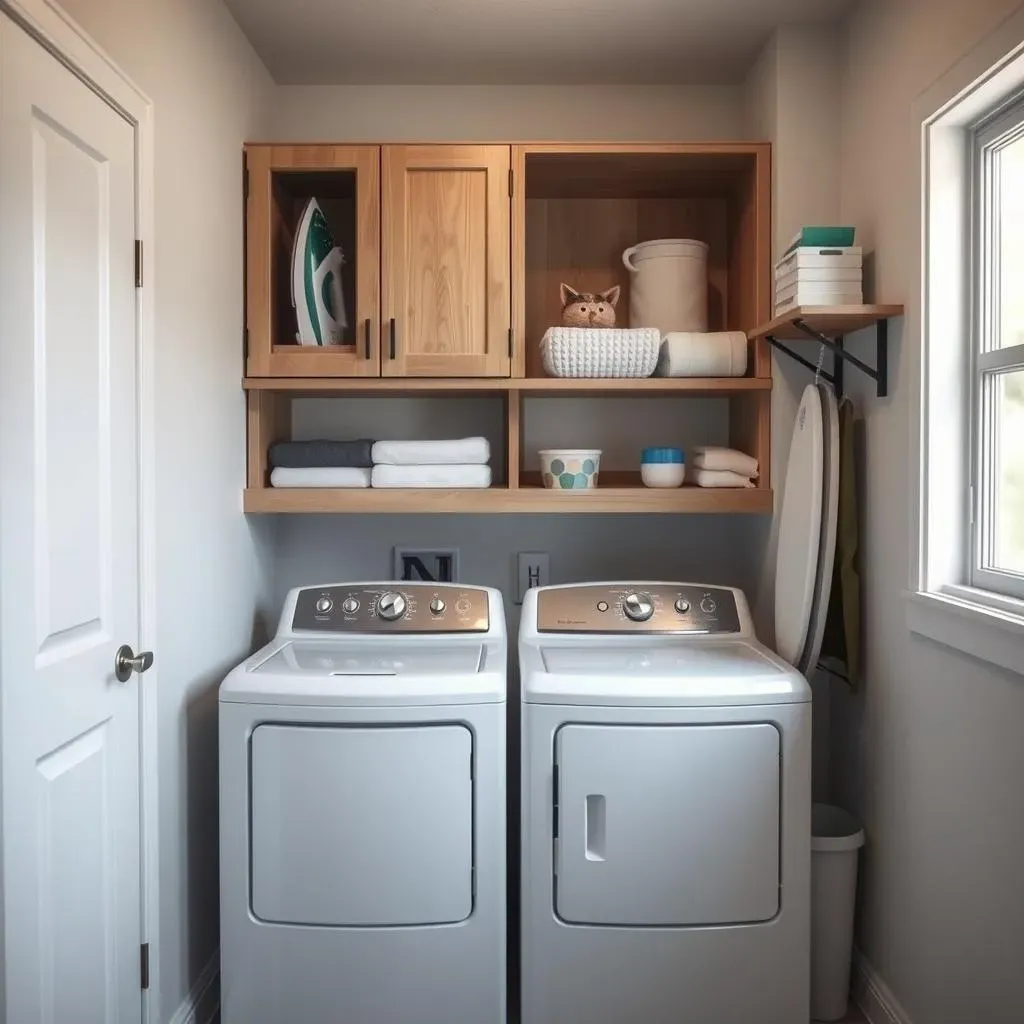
392,608
637,608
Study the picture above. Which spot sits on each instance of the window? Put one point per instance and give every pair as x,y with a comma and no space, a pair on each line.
996,548
967,575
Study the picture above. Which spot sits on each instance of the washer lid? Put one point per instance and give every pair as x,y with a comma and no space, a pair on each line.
317,657
796,567
695,661
370,673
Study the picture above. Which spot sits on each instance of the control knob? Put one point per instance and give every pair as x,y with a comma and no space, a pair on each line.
391,606
350,606
324,605
682,605
437,606
638,607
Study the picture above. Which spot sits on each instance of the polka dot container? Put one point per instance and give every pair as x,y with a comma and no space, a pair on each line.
570,469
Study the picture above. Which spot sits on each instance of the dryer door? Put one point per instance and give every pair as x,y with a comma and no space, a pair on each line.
361,826
667,825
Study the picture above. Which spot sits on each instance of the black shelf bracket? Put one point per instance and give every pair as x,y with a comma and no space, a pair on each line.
878,373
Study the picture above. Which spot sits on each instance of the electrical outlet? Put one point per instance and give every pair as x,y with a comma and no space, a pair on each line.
417,565
531,571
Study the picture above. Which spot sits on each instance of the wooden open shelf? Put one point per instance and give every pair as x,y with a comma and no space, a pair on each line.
692,386
828,320
639,500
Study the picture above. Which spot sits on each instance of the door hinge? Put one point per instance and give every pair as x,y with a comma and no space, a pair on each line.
511,183
245,181
138,262
970,511
245,342
510,337
144,964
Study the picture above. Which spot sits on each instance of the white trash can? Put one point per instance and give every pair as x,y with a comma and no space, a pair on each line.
836,838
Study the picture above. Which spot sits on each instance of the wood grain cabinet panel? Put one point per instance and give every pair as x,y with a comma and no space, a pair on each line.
446,261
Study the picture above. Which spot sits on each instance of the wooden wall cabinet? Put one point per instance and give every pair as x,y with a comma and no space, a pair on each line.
436,237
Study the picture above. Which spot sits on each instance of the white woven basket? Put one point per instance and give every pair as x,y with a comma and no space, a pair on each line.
600,351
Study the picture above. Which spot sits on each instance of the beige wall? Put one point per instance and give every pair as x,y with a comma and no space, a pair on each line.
932,753
486,113
209,93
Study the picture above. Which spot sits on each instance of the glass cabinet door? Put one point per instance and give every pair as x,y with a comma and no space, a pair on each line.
312,261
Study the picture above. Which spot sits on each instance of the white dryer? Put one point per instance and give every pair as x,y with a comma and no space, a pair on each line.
666,801
362,809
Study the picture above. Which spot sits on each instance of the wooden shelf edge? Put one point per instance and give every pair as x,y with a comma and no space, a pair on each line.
508,500
523,385
826,319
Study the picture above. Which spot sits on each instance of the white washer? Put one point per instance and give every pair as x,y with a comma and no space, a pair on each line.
666,804
362,808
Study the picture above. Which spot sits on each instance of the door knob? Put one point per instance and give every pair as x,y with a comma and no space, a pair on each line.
126,661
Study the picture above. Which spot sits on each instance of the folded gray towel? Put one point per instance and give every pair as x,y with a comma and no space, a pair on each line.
312,454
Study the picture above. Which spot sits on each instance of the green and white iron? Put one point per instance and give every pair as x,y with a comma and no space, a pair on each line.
316,281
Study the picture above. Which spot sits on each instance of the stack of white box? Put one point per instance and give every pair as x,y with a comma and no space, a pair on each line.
819,276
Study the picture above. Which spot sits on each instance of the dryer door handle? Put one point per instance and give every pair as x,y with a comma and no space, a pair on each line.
594,826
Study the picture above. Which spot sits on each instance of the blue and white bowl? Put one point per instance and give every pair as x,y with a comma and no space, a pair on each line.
662,467
570,469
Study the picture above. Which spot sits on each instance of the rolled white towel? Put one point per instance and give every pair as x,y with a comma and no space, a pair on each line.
710,457
719,478
692,354
467,451
319,476
432,476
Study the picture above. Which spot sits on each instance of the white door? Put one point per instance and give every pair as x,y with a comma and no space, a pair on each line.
69,589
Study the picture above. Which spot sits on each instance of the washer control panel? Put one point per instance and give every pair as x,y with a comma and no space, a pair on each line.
640,608
392,608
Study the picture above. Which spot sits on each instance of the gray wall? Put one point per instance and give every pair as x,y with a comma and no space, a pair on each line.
932,753
209,93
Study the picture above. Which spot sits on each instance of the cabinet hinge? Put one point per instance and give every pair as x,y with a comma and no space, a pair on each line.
511,183
144,965
138,262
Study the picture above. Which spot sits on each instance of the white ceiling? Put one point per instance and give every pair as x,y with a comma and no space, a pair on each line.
516,42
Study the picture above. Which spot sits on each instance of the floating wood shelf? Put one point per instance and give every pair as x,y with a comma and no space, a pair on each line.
827,325
640,500
694,386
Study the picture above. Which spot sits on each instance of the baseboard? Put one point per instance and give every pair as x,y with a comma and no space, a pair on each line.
203,1002
872,995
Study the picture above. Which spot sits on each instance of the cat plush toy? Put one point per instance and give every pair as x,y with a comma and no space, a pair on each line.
585,309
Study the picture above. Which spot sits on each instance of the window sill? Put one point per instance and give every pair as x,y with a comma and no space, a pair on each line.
952,618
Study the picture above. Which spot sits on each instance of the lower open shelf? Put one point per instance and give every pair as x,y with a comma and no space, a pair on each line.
622,500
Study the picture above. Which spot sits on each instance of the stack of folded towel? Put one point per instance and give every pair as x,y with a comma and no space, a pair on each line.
723,467
320,463
459,463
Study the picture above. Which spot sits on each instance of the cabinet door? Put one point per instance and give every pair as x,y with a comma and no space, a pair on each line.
446,261
306,289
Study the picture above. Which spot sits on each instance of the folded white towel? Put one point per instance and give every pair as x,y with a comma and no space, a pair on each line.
719,478
710,457
432,476
468,451
319,476
692,354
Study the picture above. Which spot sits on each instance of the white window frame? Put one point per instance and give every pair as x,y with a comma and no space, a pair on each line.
946,600
988,360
